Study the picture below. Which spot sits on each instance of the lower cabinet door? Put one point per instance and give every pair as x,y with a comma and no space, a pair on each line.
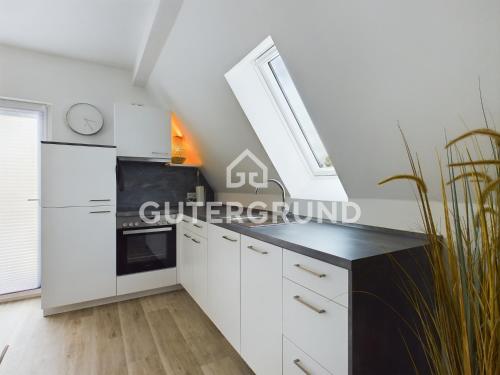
316,325
224,282
199,269
185,262
193,267
261,306
78,255
296,362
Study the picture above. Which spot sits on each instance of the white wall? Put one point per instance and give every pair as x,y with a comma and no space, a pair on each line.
360,66
62,82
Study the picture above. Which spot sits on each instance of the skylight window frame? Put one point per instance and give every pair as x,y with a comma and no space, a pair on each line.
294,128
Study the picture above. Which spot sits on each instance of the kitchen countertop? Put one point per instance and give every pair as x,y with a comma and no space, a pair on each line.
335,243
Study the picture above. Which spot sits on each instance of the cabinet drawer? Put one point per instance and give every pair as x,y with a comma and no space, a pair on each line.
326,279
138,282
317,325
195,226
296,362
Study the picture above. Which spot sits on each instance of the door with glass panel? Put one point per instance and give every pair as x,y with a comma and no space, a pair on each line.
20,133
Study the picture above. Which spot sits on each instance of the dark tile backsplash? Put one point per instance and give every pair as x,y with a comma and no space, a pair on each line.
138,182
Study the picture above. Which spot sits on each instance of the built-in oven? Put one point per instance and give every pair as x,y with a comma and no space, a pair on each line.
141,249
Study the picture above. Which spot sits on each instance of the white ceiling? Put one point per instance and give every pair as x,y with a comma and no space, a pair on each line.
103,31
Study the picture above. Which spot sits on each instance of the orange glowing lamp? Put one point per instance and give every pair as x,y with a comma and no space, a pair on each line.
183,147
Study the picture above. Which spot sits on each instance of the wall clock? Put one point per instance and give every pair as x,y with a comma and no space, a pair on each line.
84,118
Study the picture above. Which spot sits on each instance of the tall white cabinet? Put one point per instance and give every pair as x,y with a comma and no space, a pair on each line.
78,223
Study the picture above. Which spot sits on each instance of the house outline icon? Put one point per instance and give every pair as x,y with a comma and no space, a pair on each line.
252,176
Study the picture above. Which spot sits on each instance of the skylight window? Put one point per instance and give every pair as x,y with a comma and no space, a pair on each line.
299,122
265,91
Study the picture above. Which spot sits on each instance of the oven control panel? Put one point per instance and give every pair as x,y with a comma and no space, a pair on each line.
137,222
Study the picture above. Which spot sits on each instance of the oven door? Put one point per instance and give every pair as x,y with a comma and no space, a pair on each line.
145,249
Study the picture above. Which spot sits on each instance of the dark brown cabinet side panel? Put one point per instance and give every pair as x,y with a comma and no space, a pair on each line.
382,316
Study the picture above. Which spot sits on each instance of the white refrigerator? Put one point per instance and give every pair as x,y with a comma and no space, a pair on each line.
78,224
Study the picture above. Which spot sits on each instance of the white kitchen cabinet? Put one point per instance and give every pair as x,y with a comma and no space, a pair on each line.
142,131
193,266
223,297
78,175
317,326
79,255
296,362
326,279
141,281
261,305
195,226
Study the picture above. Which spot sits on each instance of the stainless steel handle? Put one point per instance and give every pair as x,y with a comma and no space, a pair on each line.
297,363
257,250
198,226
320,275
195,241
187,235
33,200
99,200
229,239
315,309
99,212
154,230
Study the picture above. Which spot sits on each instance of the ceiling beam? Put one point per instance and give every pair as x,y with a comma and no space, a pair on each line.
164,13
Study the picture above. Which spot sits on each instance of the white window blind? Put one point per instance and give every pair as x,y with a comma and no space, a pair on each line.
19,191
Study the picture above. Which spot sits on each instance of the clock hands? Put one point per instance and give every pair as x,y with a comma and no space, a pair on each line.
87,123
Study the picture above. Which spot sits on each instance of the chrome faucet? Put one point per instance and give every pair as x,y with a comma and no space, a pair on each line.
280,186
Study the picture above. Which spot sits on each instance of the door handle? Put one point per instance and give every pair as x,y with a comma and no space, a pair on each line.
187,235
297,363
141,231
313,308
99,212
229,239
198,226
99,200
317,274
33,200
195,241
257,250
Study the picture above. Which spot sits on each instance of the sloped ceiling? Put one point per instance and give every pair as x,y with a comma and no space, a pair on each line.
361,66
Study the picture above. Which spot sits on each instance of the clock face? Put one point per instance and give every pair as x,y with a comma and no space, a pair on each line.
84,119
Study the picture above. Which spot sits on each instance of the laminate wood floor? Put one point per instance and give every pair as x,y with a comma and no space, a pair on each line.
162,334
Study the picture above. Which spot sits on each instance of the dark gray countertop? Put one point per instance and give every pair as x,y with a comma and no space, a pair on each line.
335,243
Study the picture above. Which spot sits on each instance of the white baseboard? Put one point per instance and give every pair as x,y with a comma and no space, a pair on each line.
105,301
17,296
